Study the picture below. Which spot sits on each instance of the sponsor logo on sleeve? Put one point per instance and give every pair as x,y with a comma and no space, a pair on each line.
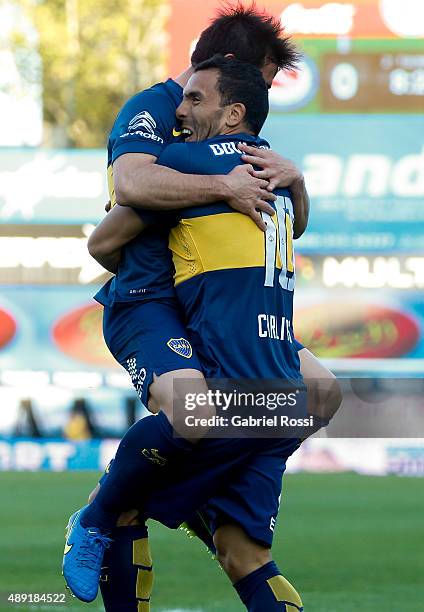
142,120
143,125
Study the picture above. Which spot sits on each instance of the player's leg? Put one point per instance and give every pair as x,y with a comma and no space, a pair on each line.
167,393
141,338
238,554
127,571
242,519
125,519
126,579
255,576
324,391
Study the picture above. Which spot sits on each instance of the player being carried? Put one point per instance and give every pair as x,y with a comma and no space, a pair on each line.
152,302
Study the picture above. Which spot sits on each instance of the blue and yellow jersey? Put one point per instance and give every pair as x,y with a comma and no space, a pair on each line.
234,282
145,124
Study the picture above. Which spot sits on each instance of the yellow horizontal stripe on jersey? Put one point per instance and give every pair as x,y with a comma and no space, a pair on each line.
216,242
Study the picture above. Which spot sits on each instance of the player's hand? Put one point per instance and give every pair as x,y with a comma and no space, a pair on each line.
248,194
108,206
279,171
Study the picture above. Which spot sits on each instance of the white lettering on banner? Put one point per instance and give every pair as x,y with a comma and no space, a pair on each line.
28,456
405,19
370,172
323,174
364,174
408,176
331,18
374,273
45,177
58,454
107,451
56,252
33,456
5,456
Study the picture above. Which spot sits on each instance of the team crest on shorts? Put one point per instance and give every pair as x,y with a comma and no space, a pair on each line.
181,346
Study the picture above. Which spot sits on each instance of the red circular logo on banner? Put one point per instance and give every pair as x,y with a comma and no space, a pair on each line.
79,334
337,330
7,327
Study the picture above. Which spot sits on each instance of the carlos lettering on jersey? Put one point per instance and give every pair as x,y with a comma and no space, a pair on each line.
274,327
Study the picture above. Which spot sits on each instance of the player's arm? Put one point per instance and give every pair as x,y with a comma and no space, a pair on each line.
139,136
300,199
139,182
118,227
281,172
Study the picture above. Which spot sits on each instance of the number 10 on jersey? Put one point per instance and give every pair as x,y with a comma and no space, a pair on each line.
279,250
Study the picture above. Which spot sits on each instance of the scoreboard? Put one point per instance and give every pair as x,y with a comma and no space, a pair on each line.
375,82
355,76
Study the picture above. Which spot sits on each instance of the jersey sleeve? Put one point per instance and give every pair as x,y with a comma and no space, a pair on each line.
178,156
144,124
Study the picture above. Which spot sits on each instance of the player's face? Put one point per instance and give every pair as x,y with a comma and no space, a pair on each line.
200,112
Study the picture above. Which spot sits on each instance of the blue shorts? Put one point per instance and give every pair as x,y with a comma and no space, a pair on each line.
243,488
225,481
148,338
230,480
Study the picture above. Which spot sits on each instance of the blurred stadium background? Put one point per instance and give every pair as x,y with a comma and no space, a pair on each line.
352,119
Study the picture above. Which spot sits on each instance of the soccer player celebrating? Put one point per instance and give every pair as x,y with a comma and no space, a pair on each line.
151,355
226,266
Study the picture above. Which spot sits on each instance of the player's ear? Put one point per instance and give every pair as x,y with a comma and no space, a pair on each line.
236,114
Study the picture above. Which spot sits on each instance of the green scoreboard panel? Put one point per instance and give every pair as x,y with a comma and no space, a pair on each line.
349,75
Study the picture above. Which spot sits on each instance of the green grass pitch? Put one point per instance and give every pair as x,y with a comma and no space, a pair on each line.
348,543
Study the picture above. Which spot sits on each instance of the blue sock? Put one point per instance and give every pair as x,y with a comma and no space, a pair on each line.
127,574
147,447
266,590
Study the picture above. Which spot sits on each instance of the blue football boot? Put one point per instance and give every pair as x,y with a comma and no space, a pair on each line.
82,558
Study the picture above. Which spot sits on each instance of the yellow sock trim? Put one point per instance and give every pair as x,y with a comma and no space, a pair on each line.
284,591
141,553
144,584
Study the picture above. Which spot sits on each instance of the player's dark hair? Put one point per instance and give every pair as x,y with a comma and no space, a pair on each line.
241,82
250,35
